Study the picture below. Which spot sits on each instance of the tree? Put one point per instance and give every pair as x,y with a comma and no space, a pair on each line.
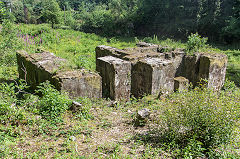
51,12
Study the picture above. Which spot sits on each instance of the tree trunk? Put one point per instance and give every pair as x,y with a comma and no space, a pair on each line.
26,14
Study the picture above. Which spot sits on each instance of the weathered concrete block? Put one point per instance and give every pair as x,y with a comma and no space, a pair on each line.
149,74
116,77
181,84
79,83
128,54
40,67
103,50
37,68
212,67
152,75
189,68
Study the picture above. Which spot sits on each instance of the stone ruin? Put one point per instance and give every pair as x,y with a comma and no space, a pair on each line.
40,67
145,70
154,70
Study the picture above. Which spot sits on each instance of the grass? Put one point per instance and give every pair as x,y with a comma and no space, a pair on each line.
108,134
97,130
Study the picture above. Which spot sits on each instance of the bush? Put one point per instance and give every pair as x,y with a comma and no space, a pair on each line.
111,19
10,104
195,42
8,32
52,104
9,43
199,120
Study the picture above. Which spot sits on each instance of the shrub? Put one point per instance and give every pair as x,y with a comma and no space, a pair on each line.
195,42
52,104
9,43
8,32
198,120
10,104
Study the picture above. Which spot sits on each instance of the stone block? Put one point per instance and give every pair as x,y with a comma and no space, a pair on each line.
181,84
144,44
40,67
212,67
79,83
189,68
116,77
152,75
103,50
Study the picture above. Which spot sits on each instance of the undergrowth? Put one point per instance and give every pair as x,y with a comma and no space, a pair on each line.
52,104
195,123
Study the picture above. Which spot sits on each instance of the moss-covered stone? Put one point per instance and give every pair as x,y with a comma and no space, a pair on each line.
79,83
212,67
40,67
116,77
181,84
149,75
152,75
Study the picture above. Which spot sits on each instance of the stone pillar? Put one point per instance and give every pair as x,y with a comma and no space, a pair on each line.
213,67
190,68
116,77
181,84
152,75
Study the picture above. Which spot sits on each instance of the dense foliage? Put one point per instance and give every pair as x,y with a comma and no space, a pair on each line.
217,19
198,120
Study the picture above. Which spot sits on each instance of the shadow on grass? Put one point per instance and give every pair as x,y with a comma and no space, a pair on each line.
148,139
8,81
233,74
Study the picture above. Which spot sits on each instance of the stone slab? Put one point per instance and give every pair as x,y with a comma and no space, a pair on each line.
103,50
129,54
116,77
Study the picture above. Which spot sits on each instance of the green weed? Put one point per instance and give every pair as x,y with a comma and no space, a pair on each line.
195,42
195,122
52,103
